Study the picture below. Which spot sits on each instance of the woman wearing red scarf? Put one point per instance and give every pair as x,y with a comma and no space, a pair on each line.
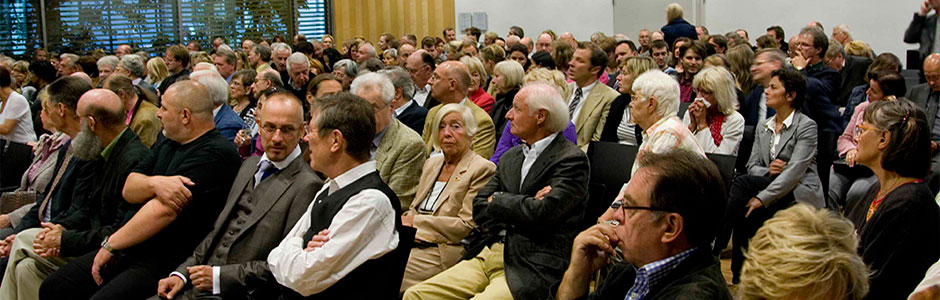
712,117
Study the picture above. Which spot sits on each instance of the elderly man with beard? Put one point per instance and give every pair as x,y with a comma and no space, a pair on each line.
109,152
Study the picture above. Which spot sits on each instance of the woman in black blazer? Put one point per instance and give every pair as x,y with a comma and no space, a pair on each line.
618,128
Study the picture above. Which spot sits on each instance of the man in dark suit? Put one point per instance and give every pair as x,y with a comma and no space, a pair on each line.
852,69
529,211
298,76
664,228
268,196
182,182
923,28
406,109
109,152
927,97
813,44
227,122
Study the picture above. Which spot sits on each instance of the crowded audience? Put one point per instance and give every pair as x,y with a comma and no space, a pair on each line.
465,164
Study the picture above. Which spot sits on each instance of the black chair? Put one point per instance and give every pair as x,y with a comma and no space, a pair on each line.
683,107
611,164
744,150
725,164
406,238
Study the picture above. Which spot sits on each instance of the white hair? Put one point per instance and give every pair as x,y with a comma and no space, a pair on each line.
297,58
134,64
844,28
280,46
109,60
374,80
205,66
370,49
224,47
218,88
656,84
542,96
469,122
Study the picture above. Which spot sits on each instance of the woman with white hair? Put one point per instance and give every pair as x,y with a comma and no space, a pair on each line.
442,210
507,79
106,66
653,107
712,117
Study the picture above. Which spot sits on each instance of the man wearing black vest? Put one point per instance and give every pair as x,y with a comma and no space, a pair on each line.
344,247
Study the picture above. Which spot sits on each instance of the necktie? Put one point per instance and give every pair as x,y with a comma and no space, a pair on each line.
574,102
267,169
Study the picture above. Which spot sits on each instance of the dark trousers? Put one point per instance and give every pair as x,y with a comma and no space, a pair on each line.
124,278
743,188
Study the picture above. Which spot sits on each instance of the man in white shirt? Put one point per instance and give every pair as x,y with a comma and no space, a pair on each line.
421,66
350,232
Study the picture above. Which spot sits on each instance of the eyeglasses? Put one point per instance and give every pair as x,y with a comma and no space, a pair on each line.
860,128
286,130
619,205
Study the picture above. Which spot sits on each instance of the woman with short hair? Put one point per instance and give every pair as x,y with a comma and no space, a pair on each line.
477,76
619,128
507,79
442,211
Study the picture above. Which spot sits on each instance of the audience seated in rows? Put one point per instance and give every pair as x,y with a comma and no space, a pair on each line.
450,85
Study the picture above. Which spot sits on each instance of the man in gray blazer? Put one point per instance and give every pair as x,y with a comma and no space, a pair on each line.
923,29
530,210
267,198
927,97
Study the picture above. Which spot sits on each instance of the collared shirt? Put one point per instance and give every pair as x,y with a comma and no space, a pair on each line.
666,135
280,165
762,108
130,114
585,91
771,126
106,152
650,274
216,110
400,110
137,81
377,140
532,152
363,229
421,94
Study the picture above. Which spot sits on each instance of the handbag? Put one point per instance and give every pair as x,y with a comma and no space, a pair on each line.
11,201
15,159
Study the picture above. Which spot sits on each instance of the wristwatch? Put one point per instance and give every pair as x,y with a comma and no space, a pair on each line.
106,246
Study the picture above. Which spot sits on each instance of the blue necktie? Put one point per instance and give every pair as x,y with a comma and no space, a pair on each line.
267,169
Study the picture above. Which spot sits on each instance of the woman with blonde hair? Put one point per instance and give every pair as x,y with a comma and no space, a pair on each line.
157,71
328,42
619,128
442,211
713,116
477,75
507,79
859,48
806,253
553,78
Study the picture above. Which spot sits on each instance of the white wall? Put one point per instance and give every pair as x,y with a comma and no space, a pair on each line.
879,23
581,18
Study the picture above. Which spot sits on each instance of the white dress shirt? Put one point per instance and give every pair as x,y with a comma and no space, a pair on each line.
771,125
400,110
279,164
531,153
585,92
363,229
421,94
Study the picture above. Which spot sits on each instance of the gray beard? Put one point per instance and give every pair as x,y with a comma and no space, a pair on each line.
86,145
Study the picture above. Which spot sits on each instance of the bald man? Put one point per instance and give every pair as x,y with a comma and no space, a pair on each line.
179,188
926,96
527,41
123,50
421,66
279,183
108,153
450,85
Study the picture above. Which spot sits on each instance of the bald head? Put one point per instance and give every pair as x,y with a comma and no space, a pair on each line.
104,106
83,76
191,95
452,79
511,40
459,72
932,71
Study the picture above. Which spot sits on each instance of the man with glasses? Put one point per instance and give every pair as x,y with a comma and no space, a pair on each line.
657,243
421,66
265,200
449,84
927,97
529,212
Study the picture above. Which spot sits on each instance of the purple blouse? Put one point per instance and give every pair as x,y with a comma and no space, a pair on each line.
507,141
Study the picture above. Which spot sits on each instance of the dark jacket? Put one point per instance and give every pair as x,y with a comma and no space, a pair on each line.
414,117
922,30
502,105
106,208
830,79
615,117
539,233
853,75
920,95
676,29
817,107
698,277
69,196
